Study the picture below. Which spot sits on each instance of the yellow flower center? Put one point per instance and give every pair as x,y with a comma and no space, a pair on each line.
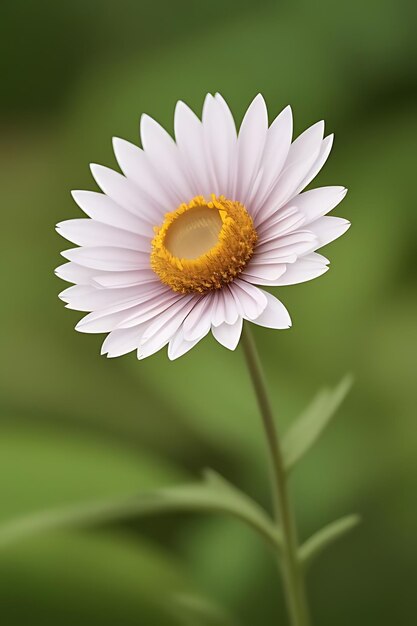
203,245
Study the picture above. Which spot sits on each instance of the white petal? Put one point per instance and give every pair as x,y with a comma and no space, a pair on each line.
125,279
325,149
250,147
109,318
249,299
190,141
164,326
73,273
135,165
275,314
318,202
315,257
108,258
285,249
153,307
178,346
87,297
224,308
304,269
127,194
327,229
90,298
228,334
164,156
103,209
87,232
220,140
122,341
285,220
301,157
231,306
298,243
103,321
277,145
259,274
198,321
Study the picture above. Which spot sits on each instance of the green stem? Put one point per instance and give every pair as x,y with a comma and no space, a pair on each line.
291,567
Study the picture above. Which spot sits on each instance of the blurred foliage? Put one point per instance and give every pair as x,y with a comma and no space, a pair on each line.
75,426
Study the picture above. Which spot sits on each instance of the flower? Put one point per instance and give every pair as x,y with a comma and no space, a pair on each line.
175,247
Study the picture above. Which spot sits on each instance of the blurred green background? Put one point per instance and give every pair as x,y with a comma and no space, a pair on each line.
77,427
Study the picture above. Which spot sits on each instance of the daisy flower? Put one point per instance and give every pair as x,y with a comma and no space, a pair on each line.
183,241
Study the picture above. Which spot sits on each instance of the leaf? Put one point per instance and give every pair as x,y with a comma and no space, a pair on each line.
46,468
310,425
214,494
197,611
113,578
241,505
325,537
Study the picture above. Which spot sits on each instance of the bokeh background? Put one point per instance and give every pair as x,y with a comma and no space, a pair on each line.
77,427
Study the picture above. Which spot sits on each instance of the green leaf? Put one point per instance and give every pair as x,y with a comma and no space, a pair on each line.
194,610
113,579
214,494
45,467
325,537
310,425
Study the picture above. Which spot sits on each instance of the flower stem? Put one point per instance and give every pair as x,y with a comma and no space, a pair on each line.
284,517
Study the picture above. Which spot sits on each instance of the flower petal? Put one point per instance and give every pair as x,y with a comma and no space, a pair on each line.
126,193
153,308
306,268
277,145
103,209
164,156
285,249
228,335
298,242
90,298
198,321
231,306
250,300
73,273
178,346
317,202
125,279
122,341
105,320
325,150
250,147
275,315
301,157
108,258
263,274
164,327
190,142
135,165
220,141
327,229
88,232
285,220
224,308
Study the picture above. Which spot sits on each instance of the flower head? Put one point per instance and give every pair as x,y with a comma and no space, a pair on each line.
175,246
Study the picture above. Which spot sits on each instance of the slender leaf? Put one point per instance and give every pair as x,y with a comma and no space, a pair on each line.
197,611
325,537
309,426
214,494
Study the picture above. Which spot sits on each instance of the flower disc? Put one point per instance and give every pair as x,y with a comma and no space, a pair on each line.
203,245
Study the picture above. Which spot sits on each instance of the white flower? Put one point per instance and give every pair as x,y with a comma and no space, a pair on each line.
174,247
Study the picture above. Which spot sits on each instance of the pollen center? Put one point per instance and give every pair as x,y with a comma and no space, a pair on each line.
194,233
203,245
